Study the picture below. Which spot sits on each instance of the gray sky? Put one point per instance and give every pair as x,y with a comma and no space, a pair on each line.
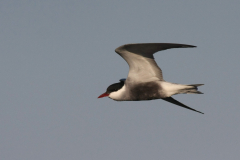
57,57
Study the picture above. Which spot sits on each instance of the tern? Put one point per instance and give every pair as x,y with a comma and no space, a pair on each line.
145,80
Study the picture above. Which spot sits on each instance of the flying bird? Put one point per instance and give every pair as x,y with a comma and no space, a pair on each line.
145,80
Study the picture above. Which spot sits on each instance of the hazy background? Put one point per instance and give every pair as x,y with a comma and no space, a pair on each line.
57,57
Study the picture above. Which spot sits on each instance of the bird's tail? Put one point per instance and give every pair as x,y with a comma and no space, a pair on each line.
191,89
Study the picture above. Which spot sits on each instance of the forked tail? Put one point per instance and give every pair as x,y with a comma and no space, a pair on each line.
191,89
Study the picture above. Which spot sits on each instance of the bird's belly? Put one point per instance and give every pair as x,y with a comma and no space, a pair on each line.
145,91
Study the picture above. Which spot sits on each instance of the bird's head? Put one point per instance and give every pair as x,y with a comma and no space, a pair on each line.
113,88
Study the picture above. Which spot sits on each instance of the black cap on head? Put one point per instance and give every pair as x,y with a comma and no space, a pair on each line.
115,87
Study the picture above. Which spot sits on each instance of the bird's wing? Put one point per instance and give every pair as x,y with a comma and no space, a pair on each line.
142,66
171,100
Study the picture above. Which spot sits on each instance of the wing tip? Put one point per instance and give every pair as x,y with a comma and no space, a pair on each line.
188,46
174,101
199,112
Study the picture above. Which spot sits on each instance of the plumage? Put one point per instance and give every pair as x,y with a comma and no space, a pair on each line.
145,80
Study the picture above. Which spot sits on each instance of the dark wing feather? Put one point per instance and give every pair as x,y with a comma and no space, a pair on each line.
171,100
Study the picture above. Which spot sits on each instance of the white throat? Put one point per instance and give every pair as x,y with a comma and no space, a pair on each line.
119,95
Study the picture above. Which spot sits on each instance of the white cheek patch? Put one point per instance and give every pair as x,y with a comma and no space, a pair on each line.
118,95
